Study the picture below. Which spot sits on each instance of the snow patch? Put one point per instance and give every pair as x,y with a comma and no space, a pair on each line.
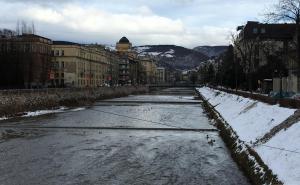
3,118
78,109
110,48
170,52
43,112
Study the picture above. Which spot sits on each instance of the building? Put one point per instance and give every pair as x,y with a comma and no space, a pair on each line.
114,60
24,61
266,40
124,45
161,75
128,65
261,44
148,69
76,65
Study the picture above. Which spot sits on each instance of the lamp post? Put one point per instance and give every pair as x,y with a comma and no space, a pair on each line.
280,85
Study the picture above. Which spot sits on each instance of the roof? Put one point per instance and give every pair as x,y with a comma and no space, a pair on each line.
23,36
32,35
65,43
268,31
124,40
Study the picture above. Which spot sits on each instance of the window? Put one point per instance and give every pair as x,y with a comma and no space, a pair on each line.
56,65
57,53
62,65
62,53
27,48
263,30
52,53
255,31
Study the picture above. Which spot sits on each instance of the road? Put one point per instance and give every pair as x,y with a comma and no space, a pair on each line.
165,139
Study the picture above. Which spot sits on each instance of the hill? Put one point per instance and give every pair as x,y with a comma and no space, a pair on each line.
173,57
211,51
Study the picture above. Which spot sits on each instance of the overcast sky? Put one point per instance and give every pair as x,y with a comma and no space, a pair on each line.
187,23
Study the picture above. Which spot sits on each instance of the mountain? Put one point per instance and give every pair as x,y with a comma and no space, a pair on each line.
173,57
211,51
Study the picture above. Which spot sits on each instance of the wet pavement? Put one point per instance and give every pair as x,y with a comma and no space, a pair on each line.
60,149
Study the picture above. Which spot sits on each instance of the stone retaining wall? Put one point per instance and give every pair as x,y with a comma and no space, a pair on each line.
15,102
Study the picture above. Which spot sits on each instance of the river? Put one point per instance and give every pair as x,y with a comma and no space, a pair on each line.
160,138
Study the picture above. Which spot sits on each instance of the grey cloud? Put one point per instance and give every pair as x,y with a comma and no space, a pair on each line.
41,2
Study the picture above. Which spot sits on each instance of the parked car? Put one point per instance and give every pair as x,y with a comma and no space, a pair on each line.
296,96
274,94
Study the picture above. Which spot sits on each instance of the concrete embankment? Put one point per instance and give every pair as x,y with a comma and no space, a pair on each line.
14,102
239,130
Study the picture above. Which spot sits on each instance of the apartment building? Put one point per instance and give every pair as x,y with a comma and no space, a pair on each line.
24,61
76,65
160,75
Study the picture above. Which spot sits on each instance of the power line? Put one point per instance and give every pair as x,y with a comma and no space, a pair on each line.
282,149
149,121
273,147
139,119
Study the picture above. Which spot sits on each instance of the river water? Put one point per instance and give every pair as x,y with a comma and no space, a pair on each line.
75,146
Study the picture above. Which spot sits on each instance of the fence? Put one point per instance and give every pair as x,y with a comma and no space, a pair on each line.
283,102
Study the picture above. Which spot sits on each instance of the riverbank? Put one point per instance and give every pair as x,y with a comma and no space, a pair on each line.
17,102
264,138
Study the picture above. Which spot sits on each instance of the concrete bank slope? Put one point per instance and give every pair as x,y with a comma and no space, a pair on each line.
264,139
18,101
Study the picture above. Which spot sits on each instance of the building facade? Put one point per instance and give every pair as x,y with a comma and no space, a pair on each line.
260,44
128,65
24,61
149,69
75,65
114,60
161,75
124,45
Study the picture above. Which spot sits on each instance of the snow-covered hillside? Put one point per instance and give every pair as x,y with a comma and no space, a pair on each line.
171,56
251,120
144,51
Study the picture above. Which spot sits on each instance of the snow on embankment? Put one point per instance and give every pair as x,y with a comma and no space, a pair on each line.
282,154
251,120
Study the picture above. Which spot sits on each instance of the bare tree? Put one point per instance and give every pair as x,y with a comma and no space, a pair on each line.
288,11
245,50
285,10
18,28
26,28
23,27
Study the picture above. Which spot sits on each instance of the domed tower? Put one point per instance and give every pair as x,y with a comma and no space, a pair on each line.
123,45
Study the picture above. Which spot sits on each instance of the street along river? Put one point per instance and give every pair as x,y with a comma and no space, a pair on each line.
163,138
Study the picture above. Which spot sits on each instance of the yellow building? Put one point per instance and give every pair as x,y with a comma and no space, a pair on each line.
149,69
128,65
124,45
75,65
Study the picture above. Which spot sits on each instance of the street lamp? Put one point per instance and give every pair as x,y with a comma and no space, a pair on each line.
280,86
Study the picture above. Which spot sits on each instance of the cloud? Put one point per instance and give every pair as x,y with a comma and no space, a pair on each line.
182,22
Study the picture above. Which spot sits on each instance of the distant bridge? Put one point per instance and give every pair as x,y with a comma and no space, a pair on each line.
155,86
